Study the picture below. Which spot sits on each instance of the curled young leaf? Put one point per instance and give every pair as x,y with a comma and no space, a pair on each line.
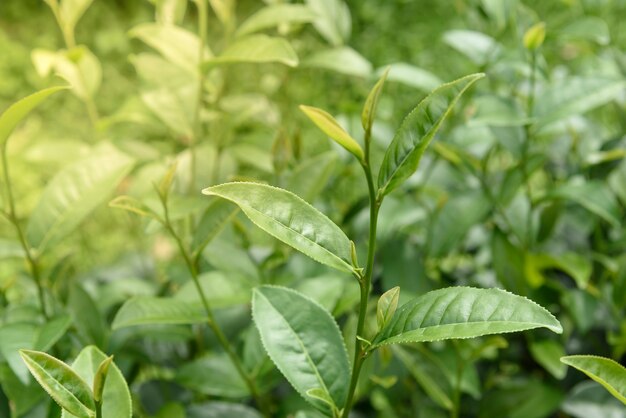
100,378
417,131
371,103
290,219
115,398
387,305
327,123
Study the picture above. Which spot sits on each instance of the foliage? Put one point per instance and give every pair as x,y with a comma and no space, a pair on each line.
473,186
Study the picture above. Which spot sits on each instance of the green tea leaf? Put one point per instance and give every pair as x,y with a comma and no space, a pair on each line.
424,378
411,76
371,103
88,320
476,46
213,375
19,110
221,410
100,378
143,310
591,28
605,371
257,49
78,66
73,193
575,96
387,305
342,60
547,353
176,44
116,400
171,106
290,219
327,123
52,331
62,383
304,342
417,131
276,15
595,196
310,177
14,337
464,312
333,21
72,10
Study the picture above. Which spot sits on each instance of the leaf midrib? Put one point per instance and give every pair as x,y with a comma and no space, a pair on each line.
302,346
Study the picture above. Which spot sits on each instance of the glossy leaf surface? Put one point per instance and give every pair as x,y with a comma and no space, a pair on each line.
290,219
464,312
66,387
417,131
304,342
605,371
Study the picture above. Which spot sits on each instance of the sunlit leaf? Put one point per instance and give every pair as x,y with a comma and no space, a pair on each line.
176,44
276,15
327,123
291,220
343,60
464,312
417,131
333,22
257,49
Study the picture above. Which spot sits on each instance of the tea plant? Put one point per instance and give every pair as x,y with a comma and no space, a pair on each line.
317,278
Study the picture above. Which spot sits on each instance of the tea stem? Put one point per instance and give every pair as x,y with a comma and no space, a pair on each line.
366,280
28,254
217,330
526,151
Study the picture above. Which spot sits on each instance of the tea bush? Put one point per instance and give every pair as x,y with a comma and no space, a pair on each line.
220,208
